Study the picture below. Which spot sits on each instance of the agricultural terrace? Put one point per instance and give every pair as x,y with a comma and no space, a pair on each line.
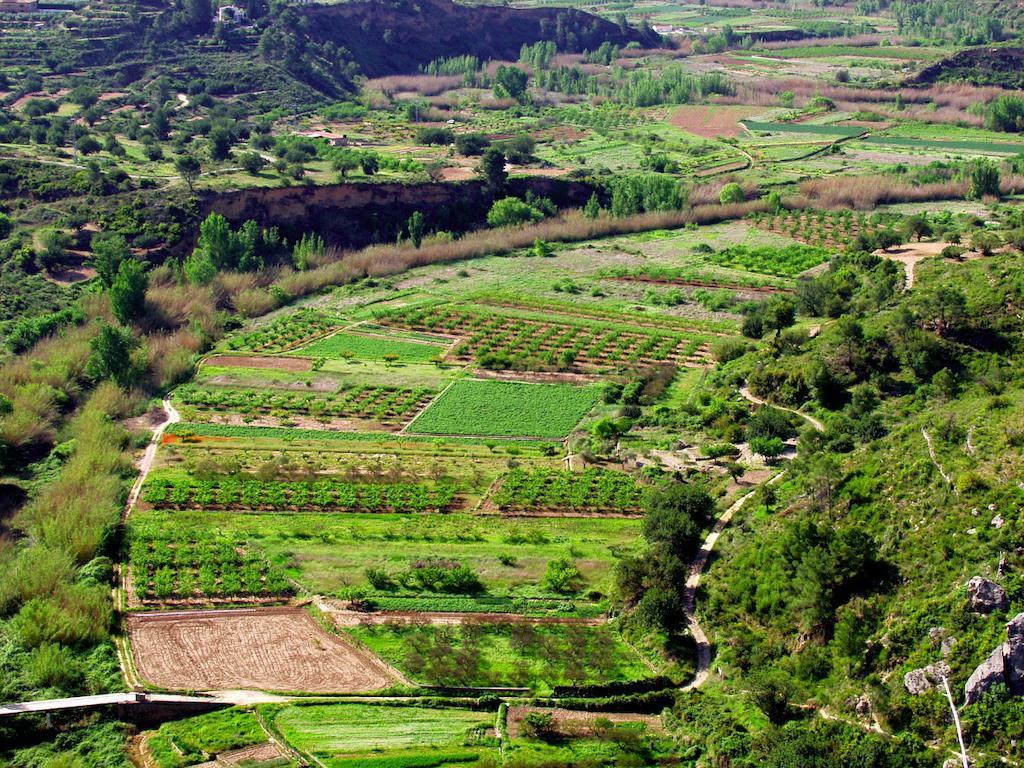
343,735
280,649
538,656
360,451
506,409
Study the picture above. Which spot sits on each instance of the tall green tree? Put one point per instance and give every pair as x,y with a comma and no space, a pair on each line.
111,356
414,226
188,168
492,170
128,291
109,249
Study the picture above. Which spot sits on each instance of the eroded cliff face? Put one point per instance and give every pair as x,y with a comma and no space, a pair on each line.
357,214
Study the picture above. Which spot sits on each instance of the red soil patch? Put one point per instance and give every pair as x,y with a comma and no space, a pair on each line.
712,120
71,275
461,173
275,649
253,361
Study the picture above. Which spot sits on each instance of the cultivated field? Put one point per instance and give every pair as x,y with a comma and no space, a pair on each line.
280,649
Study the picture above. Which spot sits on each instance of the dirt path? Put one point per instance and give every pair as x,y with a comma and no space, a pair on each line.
934,458
700,561
146,464
758,401
909,255
697,566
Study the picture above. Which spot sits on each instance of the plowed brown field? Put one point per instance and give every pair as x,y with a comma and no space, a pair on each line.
275,649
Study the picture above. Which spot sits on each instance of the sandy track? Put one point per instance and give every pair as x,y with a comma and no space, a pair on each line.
276,649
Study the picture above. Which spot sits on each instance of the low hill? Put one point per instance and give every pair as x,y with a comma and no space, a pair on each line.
989,65
397,37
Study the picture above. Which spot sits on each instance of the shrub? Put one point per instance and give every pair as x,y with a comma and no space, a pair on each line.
562,576
512,212
731,193
768,447
470,144
441,136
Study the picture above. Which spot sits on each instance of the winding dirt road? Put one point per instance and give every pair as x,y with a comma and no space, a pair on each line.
700,560
758,401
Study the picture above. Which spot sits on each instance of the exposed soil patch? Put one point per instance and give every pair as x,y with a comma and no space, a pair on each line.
712,120
910,254
253,361
71,275
276,649
538,377
571,722
305,422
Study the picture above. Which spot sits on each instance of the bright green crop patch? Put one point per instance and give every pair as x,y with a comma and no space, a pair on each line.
506,409
359,347
788,261
386,735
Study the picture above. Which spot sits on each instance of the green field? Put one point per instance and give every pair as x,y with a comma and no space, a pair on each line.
386,736
814,128
506,409
356,346
330,554
527,655
980,147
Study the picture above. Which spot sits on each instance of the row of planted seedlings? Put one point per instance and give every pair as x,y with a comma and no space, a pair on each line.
573,344
278,496
182,565
285,333
551,490
361,400
818,227
537,343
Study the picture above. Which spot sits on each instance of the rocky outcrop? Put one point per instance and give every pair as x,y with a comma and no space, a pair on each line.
1004,666
918,681
985,596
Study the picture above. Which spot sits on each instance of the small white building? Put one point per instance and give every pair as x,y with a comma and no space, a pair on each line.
334,139
230,14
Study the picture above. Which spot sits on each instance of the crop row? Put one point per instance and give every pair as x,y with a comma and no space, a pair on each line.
547,489
167,566
382,403
285,333
322,496
500,342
